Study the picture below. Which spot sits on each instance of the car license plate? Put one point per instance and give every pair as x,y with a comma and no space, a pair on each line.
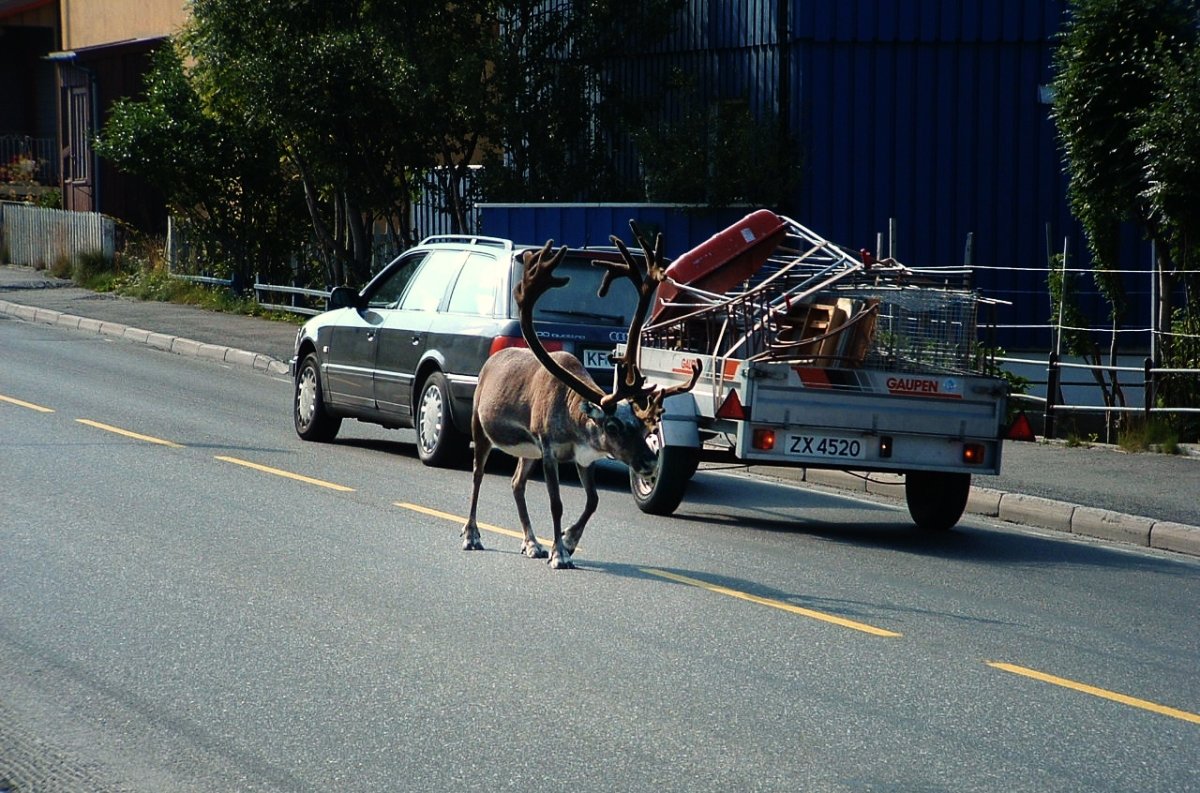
597,359
825,447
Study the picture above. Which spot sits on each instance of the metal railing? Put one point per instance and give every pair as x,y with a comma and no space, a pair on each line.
295,305
25,159
1054,406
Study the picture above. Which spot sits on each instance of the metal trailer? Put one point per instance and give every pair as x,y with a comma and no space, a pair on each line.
818,356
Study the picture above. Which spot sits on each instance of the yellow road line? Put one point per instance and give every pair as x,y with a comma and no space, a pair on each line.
21,404
462,520
1153,707
128,434
778,604
266,469
775,604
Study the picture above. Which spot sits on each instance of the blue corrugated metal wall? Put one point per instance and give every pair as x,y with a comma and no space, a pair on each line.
591,224
929,112
926,111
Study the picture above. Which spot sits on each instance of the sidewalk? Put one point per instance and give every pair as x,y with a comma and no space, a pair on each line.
1144,499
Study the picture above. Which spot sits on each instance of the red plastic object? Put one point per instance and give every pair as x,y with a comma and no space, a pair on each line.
725,259
1021,429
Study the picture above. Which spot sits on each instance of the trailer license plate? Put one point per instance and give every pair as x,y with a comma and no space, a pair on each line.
597,359
825,446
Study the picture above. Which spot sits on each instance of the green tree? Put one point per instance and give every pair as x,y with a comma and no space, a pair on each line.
1122,73
331,82
225,183
1169,142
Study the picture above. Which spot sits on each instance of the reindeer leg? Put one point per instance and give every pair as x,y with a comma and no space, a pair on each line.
470,532
588,480
530,547
560,557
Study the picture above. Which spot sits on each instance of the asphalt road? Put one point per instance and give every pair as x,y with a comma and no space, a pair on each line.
179,611
1157,486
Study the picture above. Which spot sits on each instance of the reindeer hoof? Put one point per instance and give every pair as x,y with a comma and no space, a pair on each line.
561,562
534,550
471,544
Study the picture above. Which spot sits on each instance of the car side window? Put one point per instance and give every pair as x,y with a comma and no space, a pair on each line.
427,290
477,286
386,294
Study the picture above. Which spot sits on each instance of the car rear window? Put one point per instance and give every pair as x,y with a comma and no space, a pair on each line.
578,300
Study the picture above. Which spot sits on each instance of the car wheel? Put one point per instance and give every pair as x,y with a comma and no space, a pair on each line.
313,421
936,500
439,442
661,492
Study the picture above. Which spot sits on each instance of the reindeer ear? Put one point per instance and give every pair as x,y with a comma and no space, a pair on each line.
592,411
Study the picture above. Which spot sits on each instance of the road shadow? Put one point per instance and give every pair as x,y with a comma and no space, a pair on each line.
764,505
609,475
857,609
767,506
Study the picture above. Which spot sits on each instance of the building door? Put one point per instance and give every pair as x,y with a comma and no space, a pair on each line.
77,128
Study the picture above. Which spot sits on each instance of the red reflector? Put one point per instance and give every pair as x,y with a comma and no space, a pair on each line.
1021,429
732,408
501,342
764,440
885,446
973,453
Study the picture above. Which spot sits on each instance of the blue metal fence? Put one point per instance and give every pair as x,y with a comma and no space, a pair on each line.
928,112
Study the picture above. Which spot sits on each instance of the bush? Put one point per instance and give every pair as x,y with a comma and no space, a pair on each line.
90,267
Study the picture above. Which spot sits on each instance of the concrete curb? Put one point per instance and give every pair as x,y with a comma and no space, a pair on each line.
160,341
1009,507
1044,513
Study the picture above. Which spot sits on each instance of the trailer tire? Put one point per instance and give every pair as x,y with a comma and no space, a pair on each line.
936,500
662,491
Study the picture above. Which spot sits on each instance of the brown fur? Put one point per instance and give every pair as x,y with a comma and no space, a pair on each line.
524,410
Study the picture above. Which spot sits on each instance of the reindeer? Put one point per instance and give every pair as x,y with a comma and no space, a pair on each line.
537,405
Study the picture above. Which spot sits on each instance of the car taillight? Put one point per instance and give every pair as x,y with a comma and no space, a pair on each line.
500,342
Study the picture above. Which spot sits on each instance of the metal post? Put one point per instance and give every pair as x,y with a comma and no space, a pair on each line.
1051,393
1148,395
1154,328
969,256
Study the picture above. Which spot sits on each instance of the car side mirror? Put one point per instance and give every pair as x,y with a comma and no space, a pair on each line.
344,297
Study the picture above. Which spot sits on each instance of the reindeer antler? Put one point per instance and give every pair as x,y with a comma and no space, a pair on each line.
631,383
651,409
537,279
645,277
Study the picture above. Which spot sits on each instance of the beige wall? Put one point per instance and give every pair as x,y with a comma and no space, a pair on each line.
87,23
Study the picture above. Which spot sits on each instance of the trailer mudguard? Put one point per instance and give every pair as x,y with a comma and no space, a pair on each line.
679,422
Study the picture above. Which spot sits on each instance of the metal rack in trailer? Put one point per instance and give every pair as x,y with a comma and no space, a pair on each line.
818,356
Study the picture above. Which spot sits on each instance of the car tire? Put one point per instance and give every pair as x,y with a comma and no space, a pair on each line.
663,491
936,500
439,442
311,418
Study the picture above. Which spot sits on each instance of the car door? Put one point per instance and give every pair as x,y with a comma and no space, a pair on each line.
349,358
403,332
353,340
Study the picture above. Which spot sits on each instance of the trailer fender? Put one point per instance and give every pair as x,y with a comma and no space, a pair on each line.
680,422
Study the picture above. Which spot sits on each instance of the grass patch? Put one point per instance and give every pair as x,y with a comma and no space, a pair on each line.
141,273
1153,435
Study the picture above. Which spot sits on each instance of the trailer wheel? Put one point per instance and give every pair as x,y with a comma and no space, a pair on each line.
936,500
662,491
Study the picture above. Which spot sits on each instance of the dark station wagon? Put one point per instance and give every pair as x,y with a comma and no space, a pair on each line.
406,350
